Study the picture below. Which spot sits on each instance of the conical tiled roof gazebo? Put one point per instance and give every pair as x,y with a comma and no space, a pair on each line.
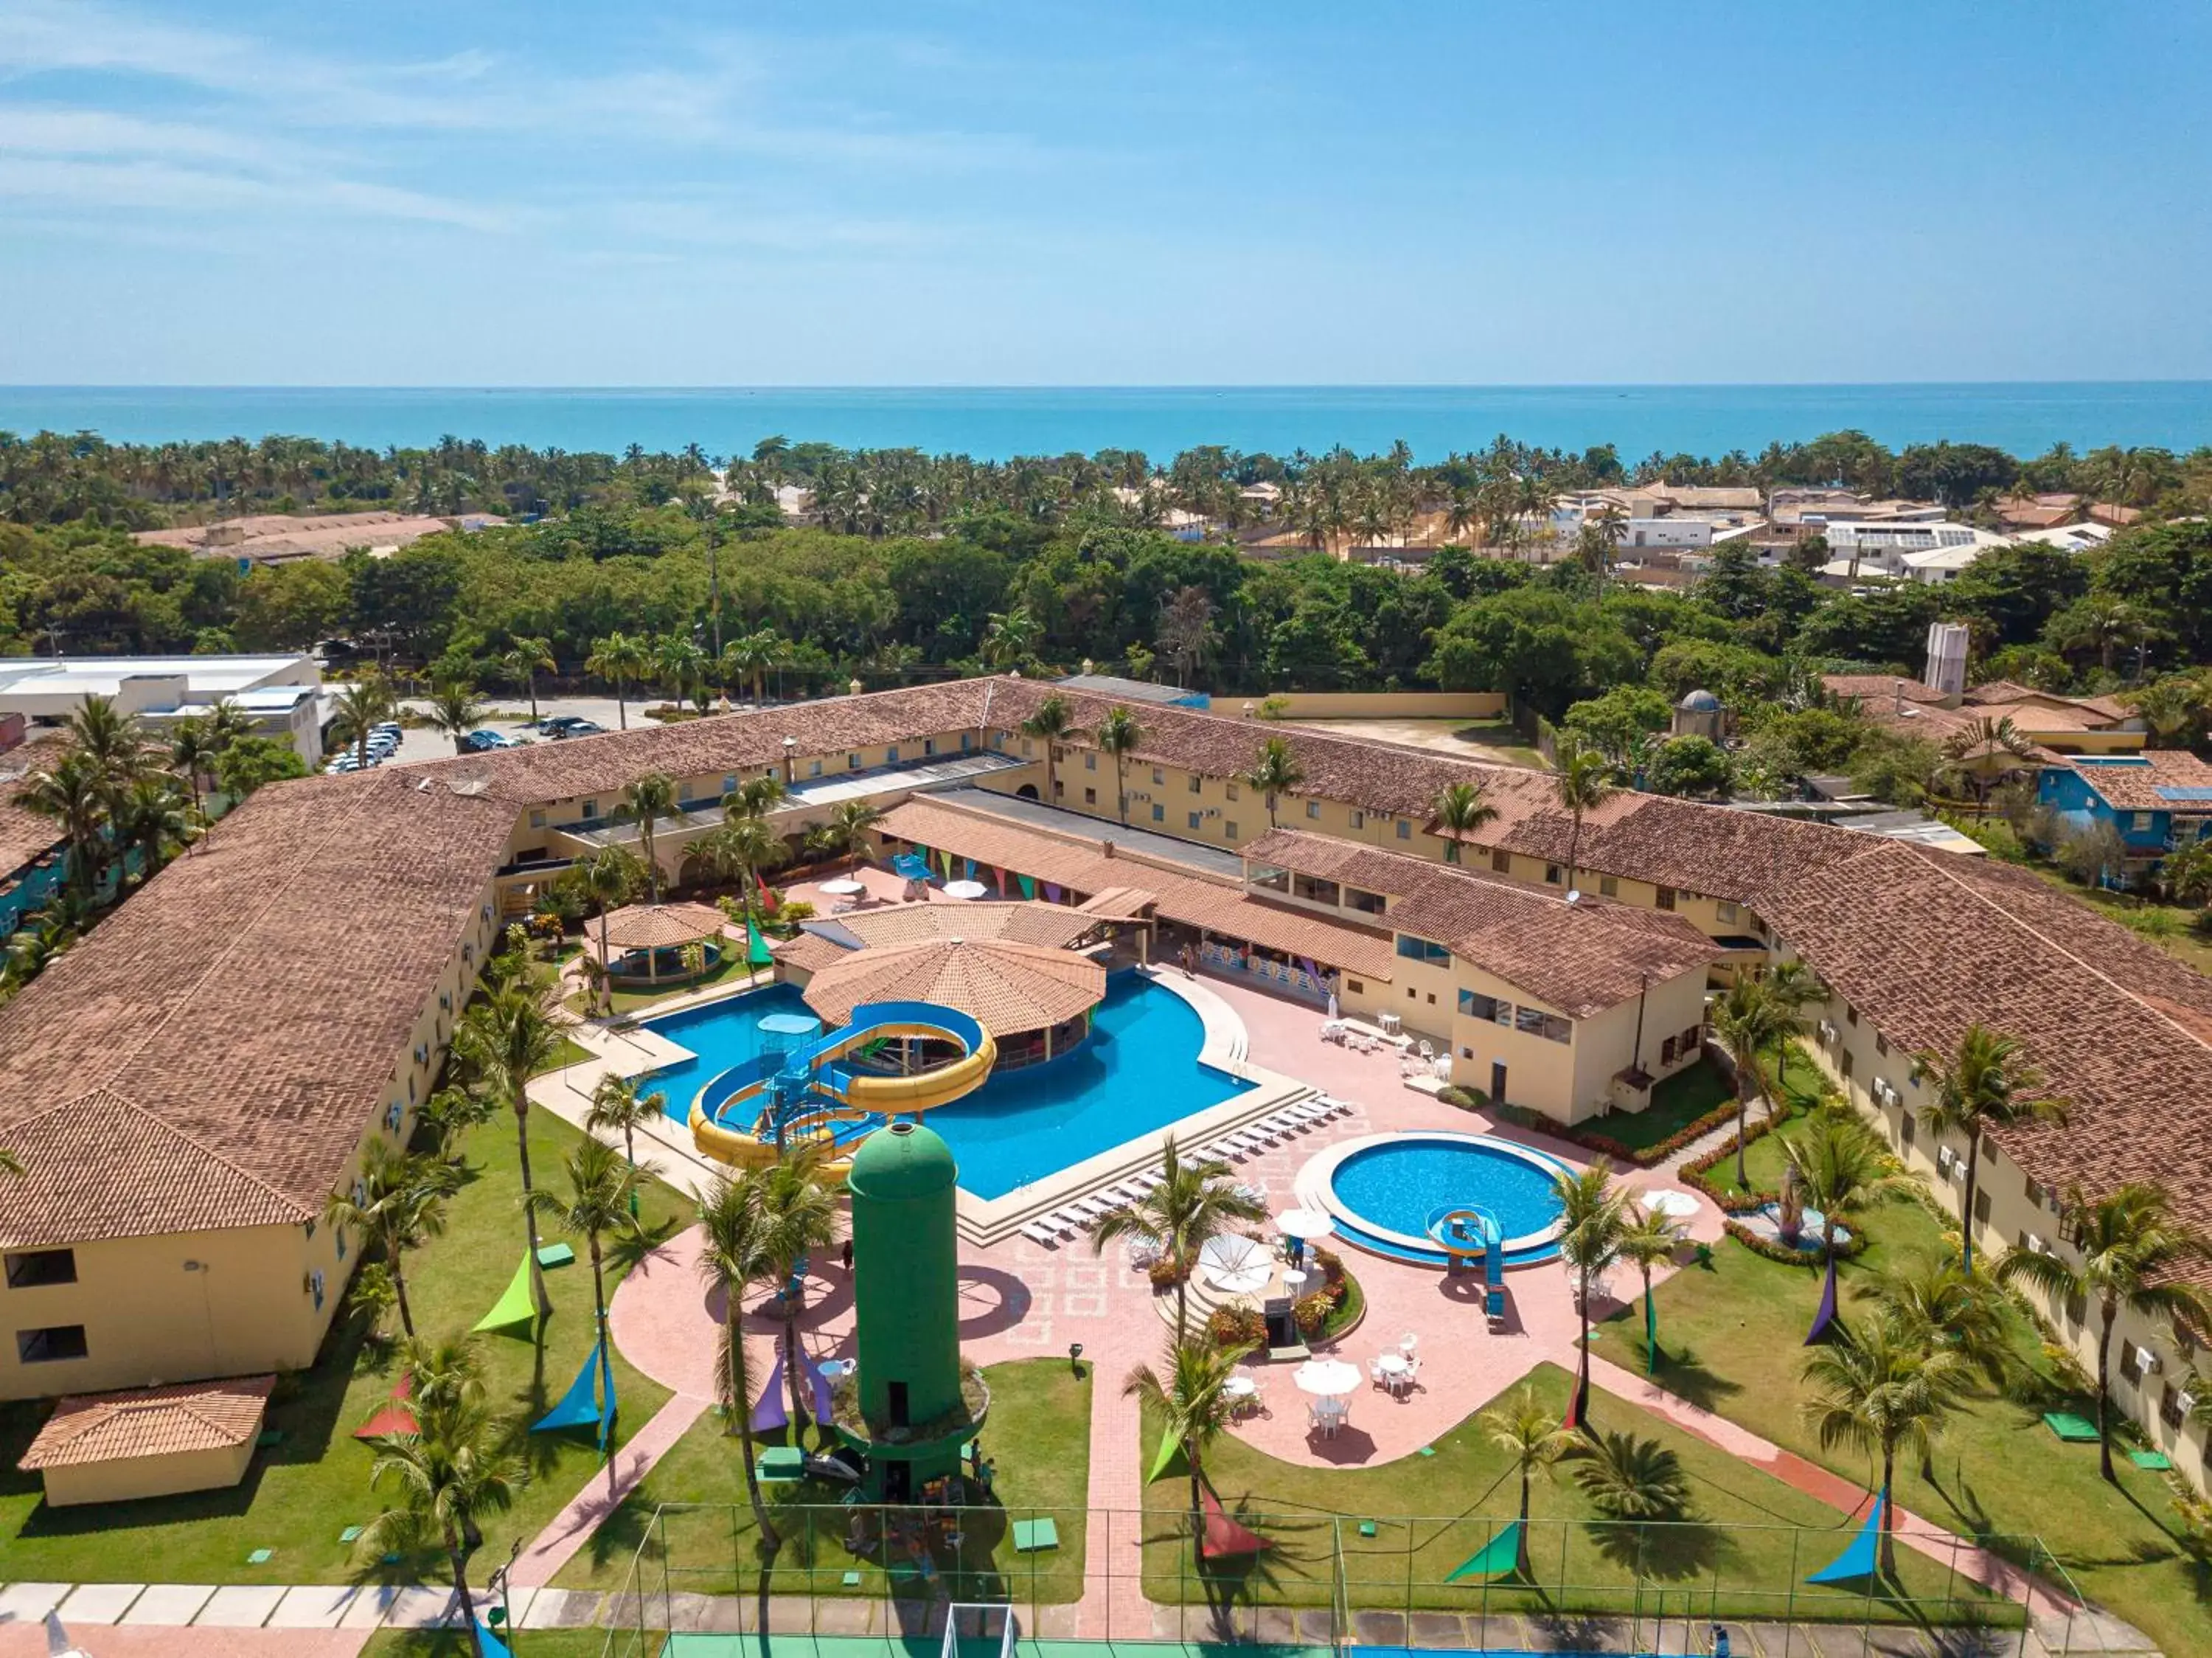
1034,1001
645,942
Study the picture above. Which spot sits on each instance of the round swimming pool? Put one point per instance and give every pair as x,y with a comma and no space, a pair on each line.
1385,1189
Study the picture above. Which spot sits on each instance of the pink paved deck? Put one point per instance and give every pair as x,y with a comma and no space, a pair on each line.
29,1641
1022,1299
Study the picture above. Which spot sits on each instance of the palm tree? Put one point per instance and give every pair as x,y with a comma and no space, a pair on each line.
1532,1437
507,1039
443,1374
1190,1398
148,814
1748,1021
1974,746
1988,1081
455,1468
754,798
617,1106
800,1218
1841,1169
1938,1303
226,723
621,658
1648,1238
845,835
600,1199
72,792
1009,639
681,662
2133,1249
362,705
455,712
1118,734
733,1256
193,754
611,877
1194,1204
398,1203
1460,810
1879,1391
1275,771
1796,988
1625,1477
748,657
109,738
741,848
524,660
1583,782
1593,1216
645,802
1050,725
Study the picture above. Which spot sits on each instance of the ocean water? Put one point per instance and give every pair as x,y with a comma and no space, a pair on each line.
996,422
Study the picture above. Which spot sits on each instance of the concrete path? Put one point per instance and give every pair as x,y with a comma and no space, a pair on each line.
572,1528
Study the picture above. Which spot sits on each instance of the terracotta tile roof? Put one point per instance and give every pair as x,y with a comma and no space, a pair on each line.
252,1000
1580,957
2133,785
1010,988
2005,693
1080,863
659,926
1870,687
808,952
1120,903
1924,944
25,834
201,1416
581,767
1052,926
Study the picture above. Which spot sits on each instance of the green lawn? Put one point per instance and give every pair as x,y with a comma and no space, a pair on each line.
1729,1337
1037,1437
299,1495
1676,1103
569,1053
454,1643
1748,1540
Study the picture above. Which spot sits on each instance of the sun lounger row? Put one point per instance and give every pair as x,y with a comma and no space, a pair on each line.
1083,1213
1272,1129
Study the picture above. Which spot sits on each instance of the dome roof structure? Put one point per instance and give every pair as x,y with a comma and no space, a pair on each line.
1699,702
907,1160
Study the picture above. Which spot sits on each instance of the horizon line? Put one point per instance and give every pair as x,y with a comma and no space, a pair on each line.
772,387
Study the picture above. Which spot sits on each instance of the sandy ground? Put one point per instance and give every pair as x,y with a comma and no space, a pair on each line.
1497,744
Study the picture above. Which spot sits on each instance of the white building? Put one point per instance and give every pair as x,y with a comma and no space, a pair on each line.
281,695
1888,549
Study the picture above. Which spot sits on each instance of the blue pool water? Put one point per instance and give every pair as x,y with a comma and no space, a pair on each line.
1137,1073
1398,1184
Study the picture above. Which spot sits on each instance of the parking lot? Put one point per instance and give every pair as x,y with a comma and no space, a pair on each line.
421,743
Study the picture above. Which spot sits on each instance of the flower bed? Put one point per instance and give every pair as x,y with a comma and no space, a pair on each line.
1855,1244
1592,1139
1693,1175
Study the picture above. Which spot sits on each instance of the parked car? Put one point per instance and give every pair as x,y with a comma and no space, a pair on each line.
573,727
483,737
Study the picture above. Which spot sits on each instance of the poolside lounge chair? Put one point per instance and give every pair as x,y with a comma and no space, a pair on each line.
1095,1209
1068,1219
1310,1115
1038,1233
1241,1145
1260,1132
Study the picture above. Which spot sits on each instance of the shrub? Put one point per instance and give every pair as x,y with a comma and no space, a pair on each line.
1239,1324
1786,1256
1465,1098
1330,1264
1166,1273
1312,1312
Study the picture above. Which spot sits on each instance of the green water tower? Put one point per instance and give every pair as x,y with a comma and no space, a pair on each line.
913,1416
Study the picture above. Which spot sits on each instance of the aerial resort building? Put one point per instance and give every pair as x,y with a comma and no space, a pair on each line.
186,1088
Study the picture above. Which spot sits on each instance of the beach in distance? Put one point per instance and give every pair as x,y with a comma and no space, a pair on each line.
2022,418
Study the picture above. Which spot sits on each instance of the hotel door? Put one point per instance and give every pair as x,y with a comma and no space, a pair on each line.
1498,1082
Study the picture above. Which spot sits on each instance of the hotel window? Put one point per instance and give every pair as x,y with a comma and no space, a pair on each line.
1090,797
591,810
1357,987
1159,775
1159,814
1358,818
1880,1043
1475,1005
1319,891
1405,828
2172,1409
967,740
1196,818
1233,791
890,755
1313,808
2131,1363
536,820
35,1268
852,762
58,1341
1551,873
1724,909
1196,782
1229,828
929,746
1090,761
729,783
1421,949
1665,900
814,768
1502,862
1667,1052
1366,903
1608,886
1536,1022
1850,1015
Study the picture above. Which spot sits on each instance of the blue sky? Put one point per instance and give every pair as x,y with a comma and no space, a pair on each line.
482,192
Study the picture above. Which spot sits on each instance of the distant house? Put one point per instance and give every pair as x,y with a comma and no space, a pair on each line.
282,538
2156,801
1887,549
280,695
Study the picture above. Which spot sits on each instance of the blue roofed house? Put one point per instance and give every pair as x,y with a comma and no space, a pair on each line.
2155,801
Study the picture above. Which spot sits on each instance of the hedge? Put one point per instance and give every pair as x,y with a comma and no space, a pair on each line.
1605,1145
1787,1256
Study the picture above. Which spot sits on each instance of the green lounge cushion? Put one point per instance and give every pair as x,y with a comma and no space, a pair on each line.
851,1580
782,1462
350,1534
556,1255
1030,1535
2070,1426
2157,1461
260,1557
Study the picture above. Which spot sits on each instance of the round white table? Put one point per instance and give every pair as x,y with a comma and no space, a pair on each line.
1388,1023
1294,1282
969,890
844,886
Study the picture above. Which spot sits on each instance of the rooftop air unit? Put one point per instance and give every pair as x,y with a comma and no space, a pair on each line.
1946,657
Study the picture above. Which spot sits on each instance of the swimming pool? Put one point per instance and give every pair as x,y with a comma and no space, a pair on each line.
1137,1073
1383,1191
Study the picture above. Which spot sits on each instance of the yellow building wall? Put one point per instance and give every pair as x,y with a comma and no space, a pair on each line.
147,1476
1856,1055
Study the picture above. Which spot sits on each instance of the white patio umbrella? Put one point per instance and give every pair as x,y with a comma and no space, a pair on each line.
1306,1224
1235,1263
844,886
1674,1205
965,889
1325,1377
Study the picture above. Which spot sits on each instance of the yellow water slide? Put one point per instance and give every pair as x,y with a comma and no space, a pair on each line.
847,1095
